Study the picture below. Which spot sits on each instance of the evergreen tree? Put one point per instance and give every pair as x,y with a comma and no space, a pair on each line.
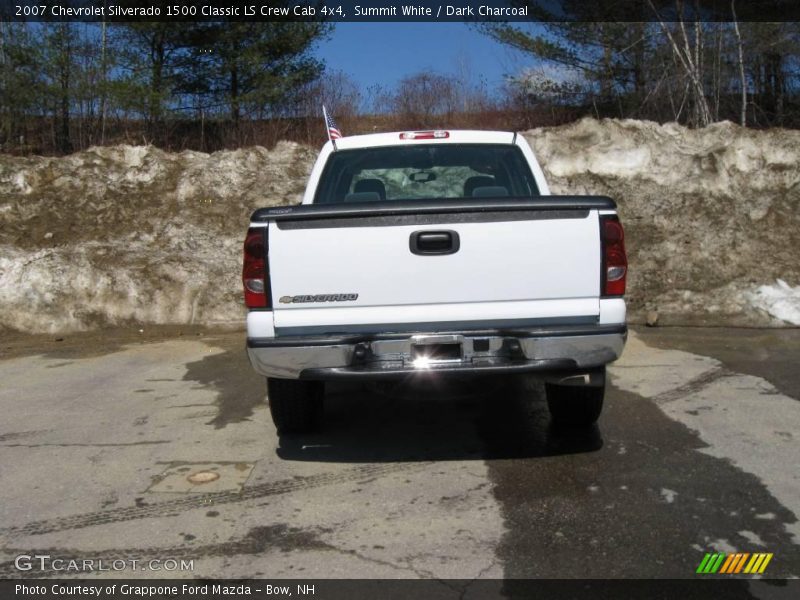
251,68
21,81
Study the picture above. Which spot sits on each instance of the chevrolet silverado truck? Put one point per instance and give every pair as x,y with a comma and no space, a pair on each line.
433,254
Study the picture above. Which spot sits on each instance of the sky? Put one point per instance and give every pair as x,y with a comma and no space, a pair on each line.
384,53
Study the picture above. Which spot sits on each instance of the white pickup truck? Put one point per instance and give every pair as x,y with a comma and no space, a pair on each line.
433,254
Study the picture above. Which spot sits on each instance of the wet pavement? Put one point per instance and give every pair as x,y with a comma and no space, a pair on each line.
158,445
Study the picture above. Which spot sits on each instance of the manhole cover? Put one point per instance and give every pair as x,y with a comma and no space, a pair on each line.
203,477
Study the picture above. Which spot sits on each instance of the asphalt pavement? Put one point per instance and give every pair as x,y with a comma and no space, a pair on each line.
157,446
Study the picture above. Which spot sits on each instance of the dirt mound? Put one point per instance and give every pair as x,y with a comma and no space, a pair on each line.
131,234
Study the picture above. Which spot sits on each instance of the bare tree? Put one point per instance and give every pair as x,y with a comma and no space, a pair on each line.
742,79
425,99
337,90
690,58
103,78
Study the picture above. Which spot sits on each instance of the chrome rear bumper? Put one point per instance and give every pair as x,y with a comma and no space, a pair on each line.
550,351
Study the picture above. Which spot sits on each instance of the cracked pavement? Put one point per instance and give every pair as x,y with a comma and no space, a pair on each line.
693,454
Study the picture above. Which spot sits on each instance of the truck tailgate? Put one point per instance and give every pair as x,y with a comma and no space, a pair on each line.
516,263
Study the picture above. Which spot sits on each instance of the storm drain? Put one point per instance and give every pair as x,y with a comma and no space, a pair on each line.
202,478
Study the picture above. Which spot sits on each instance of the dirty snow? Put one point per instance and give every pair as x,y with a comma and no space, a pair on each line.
668,495
132,234
781,300
711,215
124,234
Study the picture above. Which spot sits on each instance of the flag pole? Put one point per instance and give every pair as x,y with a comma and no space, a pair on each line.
327,127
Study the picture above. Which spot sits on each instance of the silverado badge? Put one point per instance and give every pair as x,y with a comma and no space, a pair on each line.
318,298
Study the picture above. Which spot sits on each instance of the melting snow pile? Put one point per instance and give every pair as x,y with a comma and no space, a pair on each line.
780,300
128,234
712,216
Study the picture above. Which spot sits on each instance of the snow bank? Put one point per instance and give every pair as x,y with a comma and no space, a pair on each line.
76,287
131,234
710,214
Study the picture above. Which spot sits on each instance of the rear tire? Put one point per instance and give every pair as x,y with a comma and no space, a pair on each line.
573,405
295,406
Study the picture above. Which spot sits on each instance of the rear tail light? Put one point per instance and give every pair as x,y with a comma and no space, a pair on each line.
254,270
615,261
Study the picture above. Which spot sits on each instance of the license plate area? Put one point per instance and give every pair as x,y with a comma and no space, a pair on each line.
436,352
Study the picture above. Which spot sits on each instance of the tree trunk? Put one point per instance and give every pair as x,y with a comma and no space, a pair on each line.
64,144
5,109
780,86
606,83
691,63
742,79
103,82
235,95
638,66
64,73
156,83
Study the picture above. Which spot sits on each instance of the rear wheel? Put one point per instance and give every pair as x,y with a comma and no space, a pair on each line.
296,406
574,405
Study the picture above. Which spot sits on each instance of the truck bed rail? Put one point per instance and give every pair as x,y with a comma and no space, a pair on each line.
305,212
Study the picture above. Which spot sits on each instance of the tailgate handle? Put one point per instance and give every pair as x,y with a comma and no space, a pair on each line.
428,243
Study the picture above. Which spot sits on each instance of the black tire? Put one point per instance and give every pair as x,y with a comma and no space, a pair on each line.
295,406
574,406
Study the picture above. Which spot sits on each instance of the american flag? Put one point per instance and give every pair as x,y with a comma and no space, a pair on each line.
333,131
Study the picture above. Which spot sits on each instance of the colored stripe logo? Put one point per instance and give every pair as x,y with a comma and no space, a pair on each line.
732,564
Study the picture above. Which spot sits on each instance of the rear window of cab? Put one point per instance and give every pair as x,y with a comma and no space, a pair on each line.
426,172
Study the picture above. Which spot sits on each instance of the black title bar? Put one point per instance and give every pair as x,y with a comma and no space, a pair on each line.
334,11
